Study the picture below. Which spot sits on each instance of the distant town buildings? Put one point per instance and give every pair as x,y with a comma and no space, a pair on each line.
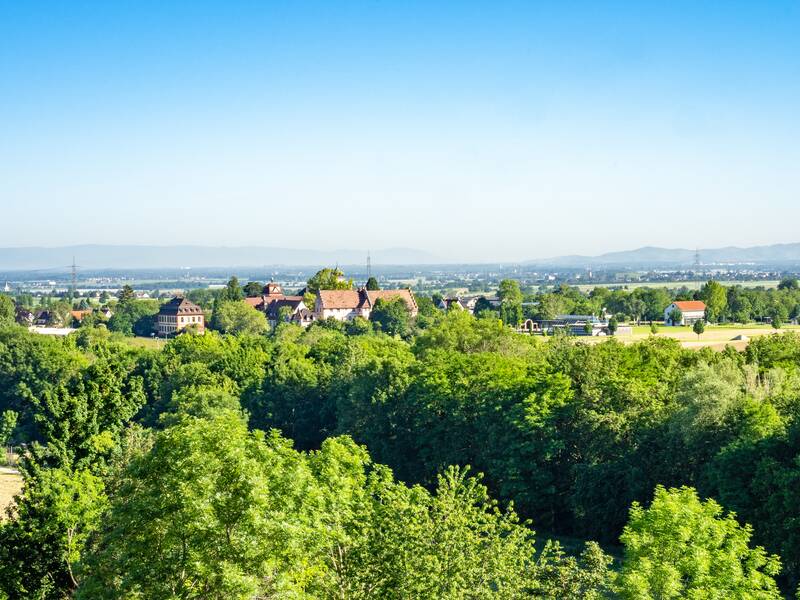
690,312
178,314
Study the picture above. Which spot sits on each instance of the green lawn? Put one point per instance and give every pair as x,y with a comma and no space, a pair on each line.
145,342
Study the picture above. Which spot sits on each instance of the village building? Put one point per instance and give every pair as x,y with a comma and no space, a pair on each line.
346,305
24,317
276,305
42,318
691,312
178,314
578,325
80,315
455,303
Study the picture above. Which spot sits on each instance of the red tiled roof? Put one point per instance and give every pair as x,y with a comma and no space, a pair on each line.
342,298
690,305
406,295
255,302
180,305
353,299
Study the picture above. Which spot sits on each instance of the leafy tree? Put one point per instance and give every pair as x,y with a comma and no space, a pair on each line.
233,291
509,291
8,423
716,299
253,289
392,316
613,325
699,327
676,316
212,511
45,538
482,305
789,283
778,315
239,318
328,279
511,313
372,284
683,547
653,328
7,310
134,317
359,326
126,294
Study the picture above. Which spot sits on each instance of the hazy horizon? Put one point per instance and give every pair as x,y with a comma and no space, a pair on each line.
478,133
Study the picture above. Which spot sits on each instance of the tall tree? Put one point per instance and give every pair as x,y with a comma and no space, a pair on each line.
126,294
716,299
328,279
233,291
683,547
239,318
392,316
7,310
253,289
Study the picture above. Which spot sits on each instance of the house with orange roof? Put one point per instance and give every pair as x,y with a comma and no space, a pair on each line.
346,305
690,311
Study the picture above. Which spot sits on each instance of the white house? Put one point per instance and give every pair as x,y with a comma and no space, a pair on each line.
346,305
691,311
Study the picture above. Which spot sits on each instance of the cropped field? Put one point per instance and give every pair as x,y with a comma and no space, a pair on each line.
673,285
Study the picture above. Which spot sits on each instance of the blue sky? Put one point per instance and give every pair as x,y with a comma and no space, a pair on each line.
476,131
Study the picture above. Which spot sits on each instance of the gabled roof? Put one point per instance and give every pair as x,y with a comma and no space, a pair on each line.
406,295
256,302
273,289
180,306
351,299
690,305
274,305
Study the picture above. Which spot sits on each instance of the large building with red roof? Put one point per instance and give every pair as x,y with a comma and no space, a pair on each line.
346,305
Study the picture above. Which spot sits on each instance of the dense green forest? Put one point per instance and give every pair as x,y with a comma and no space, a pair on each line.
344,462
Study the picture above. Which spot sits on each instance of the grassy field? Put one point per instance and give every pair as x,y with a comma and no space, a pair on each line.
10,484
715,336
145,342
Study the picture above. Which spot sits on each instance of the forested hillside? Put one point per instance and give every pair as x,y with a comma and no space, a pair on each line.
341,462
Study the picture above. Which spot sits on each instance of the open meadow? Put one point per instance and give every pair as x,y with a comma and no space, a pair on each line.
715,336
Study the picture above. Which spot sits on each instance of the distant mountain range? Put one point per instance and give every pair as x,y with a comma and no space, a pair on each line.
677,257
100,257
167,257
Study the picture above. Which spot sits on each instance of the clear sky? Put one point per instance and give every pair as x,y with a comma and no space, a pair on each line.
476,131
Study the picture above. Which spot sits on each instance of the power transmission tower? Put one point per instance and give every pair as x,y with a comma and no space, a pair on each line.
74,287
697,259
369,266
